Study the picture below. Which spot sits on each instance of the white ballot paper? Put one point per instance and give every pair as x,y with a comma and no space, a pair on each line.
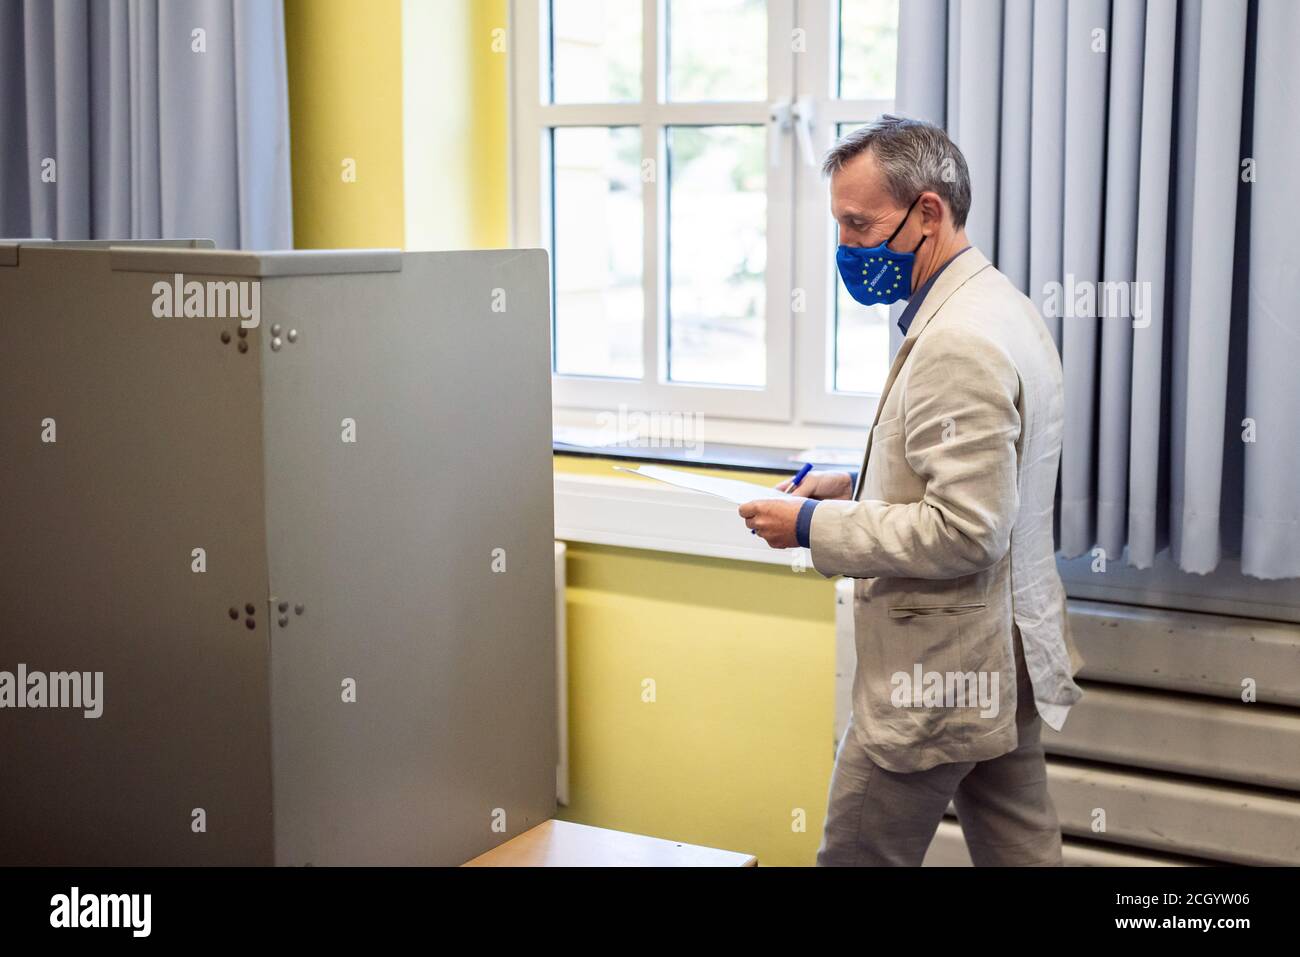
733,490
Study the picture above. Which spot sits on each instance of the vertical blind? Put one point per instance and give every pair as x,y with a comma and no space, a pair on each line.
141,119
1145,150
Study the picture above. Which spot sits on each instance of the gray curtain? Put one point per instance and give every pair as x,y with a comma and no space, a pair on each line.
154,130
1106,142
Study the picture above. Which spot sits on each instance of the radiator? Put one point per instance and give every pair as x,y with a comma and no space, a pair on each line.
1185,771
561,680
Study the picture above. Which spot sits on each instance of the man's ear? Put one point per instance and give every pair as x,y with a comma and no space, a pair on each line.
932,211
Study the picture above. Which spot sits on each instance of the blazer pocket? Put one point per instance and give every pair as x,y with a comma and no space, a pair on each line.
935,611
887,428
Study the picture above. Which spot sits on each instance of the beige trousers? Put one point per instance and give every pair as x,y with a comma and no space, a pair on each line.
877,817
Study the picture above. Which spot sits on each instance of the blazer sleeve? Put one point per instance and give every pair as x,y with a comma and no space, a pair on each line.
960,428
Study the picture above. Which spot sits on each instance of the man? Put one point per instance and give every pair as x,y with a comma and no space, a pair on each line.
959,614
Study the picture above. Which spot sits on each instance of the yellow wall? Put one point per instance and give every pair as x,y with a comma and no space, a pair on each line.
740,734
345,102
455,59
436,173
489,186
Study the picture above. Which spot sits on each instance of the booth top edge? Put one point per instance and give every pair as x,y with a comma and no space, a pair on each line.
198,258
226,262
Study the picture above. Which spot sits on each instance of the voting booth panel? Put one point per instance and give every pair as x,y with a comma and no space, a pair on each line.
358,666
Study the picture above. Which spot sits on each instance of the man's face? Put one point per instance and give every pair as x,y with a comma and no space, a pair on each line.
865,211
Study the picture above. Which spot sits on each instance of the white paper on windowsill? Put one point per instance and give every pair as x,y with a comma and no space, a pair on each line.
594,438
733,490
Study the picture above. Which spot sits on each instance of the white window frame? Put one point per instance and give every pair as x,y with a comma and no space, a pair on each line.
799,347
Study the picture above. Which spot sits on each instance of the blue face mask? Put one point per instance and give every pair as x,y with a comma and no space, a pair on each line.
878,275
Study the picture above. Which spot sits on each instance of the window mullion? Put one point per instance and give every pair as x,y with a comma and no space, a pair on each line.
781,196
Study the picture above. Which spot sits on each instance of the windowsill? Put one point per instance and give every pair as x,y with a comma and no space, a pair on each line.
613,508
704,441
630,513
627,512
715,455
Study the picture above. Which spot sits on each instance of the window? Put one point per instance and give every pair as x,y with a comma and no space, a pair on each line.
666,152
596,245
858,331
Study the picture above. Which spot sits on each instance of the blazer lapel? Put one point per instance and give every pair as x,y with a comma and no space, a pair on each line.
959,271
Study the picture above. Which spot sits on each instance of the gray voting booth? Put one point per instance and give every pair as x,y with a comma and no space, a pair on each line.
359,666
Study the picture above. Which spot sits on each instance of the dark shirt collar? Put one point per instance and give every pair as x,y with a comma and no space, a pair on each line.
918,297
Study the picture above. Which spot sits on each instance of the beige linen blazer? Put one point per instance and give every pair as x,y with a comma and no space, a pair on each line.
949,532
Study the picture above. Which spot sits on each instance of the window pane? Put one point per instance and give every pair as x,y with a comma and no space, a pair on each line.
868,49
595,51
717,50
597,246
861,332
717,260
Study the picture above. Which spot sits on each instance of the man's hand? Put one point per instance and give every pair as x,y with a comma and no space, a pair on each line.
774,519
821,485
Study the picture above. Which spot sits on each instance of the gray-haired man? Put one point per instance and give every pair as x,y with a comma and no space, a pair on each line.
962,637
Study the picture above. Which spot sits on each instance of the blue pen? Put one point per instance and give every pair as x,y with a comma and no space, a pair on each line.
794,483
